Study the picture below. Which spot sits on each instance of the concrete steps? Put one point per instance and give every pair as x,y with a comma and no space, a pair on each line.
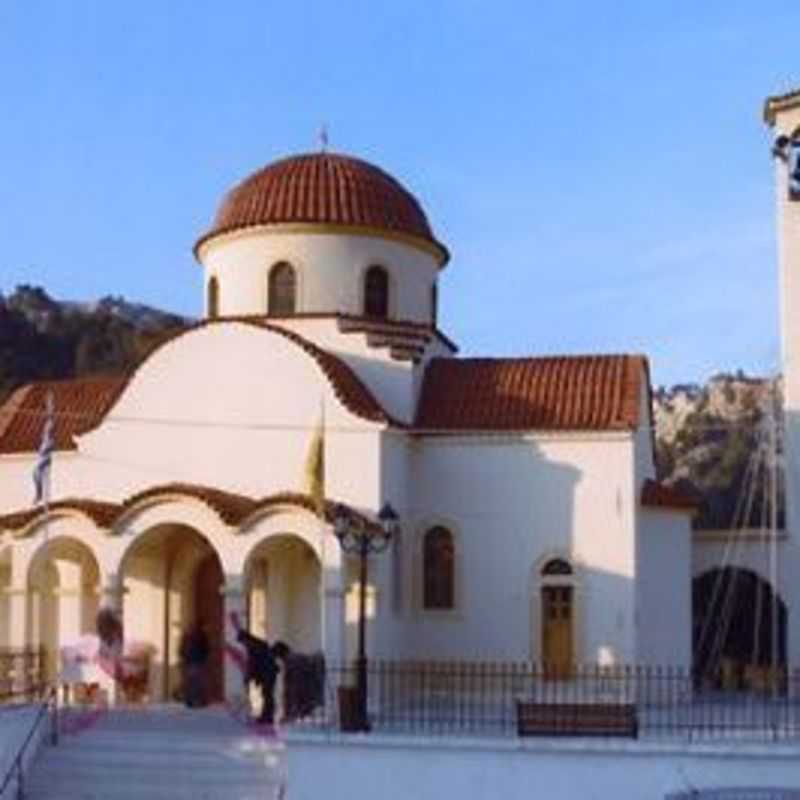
162,753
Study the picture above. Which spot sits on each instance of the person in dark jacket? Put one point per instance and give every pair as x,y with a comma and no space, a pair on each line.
194,653
262,668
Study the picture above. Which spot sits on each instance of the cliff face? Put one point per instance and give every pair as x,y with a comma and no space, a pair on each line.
41,338
717,440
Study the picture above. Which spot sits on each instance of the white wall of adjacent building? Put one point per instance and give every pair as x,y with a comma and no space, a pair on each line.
429,768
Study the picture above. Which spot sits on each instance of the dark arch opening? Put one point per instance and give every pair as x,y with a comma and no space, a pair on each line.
732,626
213,298
282,290
376,293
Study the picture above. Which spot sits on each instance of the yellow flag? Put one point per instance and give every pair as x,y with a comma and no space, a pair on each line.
315,468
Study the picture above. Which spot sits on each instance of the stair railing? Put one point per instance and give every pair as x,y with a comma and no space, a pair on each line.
48,709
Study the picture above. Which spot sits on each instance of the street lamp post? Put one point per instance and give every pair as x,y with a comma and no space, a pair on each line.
357,536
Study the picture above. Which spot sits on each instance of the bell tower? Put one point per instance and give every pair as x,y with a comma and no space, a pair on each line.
782,114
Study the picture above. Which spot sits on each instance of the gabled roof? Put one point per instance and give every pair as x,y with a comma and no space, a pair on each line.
81,404
597,393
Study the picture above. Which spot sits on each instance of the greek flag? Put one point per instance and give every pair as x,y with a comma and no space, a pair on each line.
44,458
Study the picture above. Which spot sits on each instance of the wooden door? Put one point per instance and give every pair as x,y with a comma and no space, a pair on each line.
557,614
208,605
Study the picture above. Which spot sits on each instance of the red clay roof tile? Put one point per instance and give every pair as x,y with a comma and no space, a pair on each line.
80,405
554,393
101,513
323,188
661,495
233,509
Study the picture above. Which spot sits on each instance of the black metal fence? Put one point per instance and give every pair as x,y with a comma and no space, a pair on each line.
528,699
22,672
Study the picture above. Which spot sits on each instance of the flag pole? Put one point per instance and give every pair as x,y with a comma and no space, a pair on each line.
323,638
42,480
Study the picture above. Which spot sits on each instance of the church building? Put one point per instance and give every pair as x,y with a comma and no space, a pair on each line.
530,522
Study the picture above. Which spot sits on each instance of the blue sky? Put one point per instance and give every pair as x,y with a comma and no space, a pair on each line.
599,171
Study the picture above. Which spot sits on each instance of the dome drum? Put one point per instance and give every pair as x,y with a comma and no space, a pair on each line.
330,223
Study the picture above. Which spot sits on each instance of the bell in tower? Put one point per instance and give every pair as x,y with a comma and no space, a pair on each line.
794,169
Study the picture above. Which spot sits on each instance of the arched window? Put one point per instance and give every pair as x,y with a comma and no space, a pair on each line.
282,300
212,300
376,293
438,569
557,566
434,304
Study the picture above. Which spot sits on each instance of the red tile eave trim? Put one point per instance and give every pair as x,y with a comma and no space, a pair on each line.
100,513
499,430
233,509
419,328
659,495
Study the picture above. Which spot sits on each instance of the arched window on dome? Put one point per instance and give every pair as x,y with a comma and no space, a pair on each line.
212,298
282,290
438,570
376,293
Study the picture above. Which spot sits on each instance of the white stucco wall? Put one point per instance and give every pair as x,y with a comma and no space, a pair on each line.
664,607
329,267
395,383
513,502
227,405
788,229
429,768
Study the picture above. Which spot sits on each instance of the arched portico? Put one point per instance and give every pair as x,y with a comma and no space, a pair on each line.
171,578
292,574
63,578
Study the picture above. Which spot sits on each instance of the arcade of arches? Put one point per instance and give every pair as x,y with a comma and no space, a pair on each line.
164,579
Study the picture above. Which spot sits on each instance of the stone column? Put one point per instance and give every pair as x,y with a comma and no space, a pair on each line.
13,669
234,601
111,597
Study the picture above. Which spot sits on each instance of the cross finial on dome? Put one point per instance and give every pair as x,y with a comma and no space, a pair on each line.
323,137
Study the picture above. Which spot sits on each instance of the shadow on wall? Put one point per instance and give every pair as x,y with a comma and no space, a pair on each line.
525,587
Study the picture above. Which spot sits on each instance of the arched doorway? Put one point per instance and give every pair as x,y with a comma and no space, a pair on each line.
557,603
284,598
738,628
209,612
63,598
172,579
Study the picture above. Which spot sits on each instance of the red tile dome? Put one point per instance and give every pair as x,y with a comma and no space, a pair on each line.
325,189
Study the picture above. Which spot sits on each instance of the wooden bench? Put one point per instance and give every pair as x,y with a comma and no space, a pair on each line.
576,719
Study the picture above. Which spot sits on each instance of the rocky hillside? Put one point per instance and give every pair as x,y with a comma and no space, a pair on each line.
42,338
716,441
